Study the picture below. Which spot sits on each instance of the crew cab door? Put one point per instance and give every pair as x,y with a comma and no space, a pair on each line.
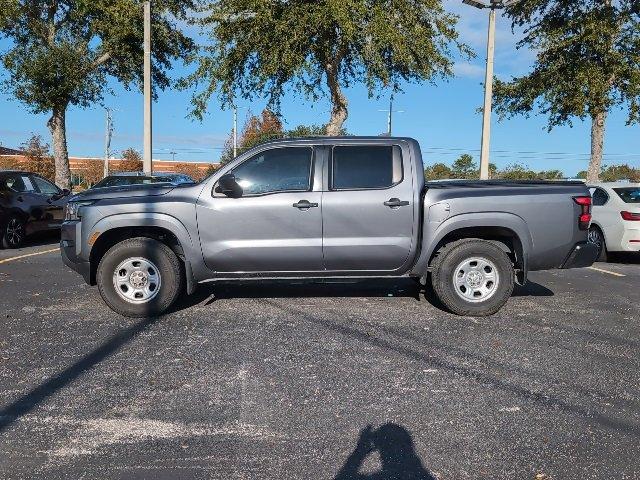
368,208
275,225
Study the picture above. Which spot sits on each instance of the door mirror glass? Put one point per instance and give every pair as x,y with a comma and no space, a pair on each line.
227,185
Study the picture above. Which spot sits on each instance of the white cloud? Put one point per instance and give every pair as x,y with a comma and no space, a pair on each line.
468,70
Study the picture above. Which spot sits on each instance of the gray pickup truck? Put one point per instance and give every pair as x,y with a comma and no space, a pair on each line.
345,207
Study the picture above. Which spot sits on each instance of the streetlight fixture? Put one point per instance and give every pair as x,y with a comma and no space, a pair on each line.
493,5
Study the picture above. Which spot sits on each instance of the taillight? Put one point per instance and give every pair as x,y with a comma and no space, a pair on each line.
585,215
630,216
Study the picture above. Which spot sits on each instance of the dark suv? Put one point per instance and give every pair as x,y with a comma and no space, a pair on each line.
29,203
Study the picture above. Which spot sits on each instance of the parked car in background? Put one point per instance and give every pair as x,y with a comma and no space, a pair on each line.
29,203
139,178
616,217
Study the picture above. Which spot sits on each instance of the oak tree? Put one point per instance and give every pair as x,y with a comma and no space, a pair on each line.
259,47
62,52
587,63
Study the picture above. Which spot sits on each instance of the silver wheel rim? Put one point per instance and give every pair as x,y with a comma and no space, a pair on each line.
137,280
476,279
594,237
15,232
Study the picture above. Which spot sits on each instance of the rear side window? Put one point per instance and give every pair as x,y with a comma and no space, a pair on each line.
18,183
600,197
365,167
629,195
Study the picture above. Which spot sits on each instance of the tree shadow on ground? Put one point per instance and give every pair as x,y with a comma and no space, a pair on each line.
30,400
398,457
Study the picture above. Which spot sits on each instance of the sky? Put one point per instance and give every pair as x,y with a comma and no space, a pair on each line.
442,117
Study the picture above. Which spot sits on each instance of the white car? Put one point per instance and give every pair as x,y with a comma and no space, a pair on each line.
615,225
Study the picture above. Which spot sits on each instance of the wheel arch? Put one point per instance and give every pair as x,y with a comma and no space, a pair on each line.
160,227
507,231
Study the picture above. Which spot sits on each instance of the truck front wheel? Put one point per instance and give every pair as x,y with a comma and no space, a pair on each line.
472,277
139,277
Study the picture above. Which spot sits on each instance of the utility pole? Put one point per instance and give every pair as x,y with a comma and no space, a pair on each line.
390,113
173,156
488,80
488,97
235,131
107,143
147,150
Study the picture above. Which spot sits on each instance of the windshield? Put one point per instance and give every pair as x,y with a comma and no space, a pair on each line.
629,195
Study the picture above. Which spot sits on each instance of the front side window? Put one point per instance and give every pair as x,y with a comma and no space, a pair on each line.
628,194
277,170
45,186
365,167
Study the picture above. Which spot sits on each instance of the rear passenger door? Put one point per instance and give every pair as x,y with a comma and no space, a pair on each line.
367,209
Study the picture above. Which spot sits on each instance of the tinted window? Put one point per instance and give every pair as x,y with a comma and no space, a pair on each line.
277,170
600,197
45,186
365,167
18,183
629,195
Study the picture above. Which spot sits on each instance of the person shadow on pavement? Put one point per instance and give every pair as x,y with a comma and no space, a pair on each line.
398,458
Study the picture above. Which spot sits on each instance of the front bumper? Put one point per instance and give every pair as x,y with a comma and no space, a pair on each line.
582,255
69,237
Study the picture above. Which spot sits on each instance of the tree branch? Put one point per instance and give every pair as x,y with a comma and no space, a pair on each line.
101,60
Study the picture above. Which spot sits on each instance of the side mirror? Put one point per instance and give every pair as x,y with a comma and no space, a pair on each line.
66,192
227,185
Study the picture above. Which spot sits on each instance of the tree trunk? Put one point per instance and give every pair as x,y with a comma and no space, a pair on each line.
338,101
597,146
57,126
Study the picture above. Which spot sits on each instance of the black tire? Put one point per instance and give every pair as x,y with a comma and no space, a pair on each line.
160,255
597,238
13,232
456,253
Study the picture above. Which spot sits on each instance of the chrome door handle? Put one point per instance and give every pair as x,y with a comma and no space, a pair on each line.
396,202
304,204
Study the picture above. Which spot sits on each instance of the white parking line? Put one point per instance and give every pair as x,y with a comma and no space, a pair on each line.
607,271
11,259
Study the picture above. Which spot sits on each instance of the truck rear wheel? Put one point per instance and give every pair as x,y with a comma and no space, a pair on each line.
472,277
140,277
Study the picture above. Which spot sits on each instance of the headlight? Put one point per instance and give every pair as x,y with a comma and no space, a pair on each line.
73,209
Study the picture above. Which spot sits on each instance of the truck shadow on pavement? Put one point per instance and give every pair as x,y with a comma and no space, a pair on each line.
398,457
30,400
407,288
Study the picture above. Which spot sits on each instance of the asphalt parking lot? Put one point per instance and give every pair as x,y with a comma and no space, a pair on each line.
322,381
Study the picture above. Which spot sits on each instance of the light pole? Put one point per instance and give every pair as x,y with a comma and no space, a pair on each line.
147,164
107,143
235,130
488,79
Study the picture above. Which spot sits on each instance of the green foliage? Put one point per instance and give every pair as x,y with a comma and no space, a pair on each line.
587,60
62,51
613,173
465,167
438,171
259,47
